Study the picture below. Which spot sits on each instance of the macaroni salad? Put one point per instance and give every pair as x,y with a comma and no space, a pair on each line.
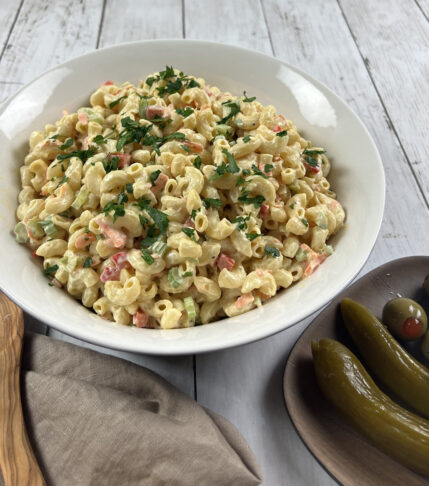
172,204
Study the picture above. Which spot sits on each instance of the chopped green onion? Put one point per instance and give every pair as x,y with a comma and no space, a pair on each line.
92,114
190,308
176,278
147,257
50,271
158,247
301,255
48,227
81,198
224,130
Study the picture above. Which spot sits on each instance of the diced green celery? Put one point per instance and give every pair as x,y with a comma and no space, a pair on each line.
301,255
143,106
224,130
34,230
190,308
80,198
329,250
21,234
48,227
93,115
258,302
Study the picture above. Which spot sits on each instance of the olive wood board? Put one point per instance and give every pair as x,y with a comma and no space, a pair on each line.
349,457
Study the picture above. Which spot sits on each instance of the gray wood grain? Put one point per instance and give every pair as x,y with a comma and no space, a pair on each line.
9,12
239,23
400,70
131,20
47,33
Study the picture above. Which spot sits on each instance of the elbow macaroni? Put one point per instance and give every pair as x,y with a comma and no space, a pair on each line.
171,204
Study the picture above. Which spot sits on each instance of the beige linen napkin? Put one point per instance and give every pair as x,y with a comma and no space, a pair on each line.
98,420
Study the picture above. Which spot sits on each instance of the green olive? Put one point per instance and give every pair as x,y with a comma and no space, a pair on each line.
405,318
425,346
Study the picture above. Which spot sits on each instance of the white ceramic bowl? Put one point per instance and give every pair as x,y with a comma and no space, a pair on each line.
319,114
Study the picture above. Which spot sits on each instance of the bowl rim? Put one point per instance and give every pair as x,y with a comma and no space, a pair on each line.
185,347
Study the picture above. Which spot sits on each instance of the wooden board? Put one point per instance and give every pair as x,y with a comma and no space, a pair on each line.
349,457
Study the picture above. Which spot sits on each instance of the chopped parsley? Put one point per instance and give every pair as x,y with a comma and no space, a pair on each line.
122,198
256,201
193,214
313,152
186,112
50,271
143,221
111,163
150,80
304,222
69,142
281,134
118,209
311,161
197,162
62,181
292,206
189,232
154,176
212,203
268,168
159,218
129,188
258,172
83,155
232,167
132,132
252,236
270,250
167,73
241,222
147,257
143,106
87,263
114,103
234,109
186,148
54,137
246,99
246,139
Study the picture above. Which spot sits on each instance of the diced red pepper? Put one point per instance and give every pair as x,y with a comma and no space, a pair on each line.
159,183
312,168
225,261
153,111
277,128
83,118
84,240
120,259
111,272
244,300
194,146
124,159
108,83
265,208
140,319
114,237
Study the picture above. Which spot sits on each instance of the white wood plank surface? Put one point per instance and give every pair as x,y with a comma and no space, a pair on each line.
379,66
8,14
400,70
47,33
130,20
240,22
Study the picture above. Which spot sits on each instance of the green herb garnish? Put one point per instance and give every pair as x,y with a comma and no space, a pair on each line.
147,257
87,263
114,103
270,250
212,203
281,134
154,176
69,142
252,236
49,271
256,201
248,100
198,162
186,112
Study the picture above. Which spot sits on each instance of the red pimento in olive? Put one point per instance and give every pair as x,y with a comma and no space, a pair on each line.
405,318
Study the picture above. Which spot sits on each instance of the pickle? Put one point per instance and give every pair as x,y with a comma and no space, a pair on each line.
347,385
389,361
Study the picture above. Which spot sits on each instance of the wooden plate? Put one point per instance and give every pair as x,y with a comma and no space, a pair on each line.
347,456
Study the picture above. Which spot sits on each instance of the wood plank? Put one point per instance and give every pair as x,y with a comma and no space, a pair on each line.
240,23
176,370
8,14
132,20
424,7
400,69
47,33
